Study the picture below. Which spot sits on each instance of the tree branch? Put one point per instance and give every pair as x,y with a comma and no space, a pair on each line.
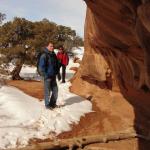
82,141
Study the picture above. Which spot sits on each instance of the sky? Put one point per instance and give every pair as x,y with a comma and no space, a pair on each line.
65,12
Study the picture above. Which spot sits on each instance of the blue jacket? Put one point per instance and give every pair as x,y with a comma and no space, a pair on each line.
48,64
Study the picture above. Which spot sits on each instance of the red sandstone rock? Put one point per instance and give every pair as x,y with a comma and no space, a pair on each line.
75,69
117,36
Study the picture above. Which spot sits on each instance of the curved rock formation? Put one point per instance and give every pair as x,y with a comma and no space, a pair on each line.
117,38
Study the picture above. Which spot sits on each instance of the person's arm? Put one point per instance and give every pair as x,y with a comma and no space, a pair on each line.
42,65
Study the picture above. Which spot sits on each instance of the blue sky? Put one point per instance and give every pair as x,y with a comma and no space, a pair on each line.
66,12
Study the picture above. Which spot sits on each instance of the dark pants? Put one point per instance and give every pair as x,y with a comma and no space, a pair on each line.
50,91
63,73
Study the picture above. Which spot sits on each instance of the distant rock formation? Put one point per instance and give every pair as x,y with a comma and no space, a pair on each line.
117,60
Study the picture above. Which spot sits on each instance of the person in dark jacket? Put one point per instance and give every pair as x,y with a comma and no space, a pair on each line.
48,67
63,59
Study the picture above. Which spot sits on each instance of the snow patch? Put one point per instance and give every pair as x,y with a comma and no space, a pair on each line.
23,117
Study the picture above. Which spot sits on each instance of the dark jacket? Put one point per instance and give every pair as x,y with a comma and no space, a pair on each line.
48,65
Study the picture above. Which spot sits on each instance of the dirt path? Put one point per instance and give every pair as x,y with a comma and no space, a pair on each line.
32,88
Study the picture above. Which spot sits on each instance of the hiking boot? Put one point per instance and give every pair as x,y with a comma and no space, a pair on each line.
56,106
49,107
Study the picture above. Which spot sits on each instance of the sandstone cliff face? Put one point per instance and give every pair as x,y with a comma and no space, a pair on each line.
117,38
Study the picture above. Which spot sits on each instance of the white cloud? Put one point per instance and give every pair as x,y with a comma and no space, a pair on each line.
66,12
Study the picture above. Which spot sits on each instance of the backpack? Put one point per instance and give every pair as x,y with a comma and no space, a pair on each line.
38,56
56,64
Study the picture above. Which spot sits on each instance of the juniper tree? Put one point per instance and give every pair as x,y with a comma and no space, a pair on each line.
20,38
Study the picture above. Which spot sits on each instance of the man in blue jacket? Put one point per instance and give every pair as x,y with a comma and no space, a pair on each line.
48,67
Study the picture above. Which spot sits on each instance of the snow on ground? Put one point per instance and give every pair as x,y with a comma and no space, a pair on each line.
23,117
78,52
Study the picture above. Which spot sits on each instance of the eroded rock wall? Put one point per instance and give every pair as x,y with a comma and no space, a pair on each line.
117,37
